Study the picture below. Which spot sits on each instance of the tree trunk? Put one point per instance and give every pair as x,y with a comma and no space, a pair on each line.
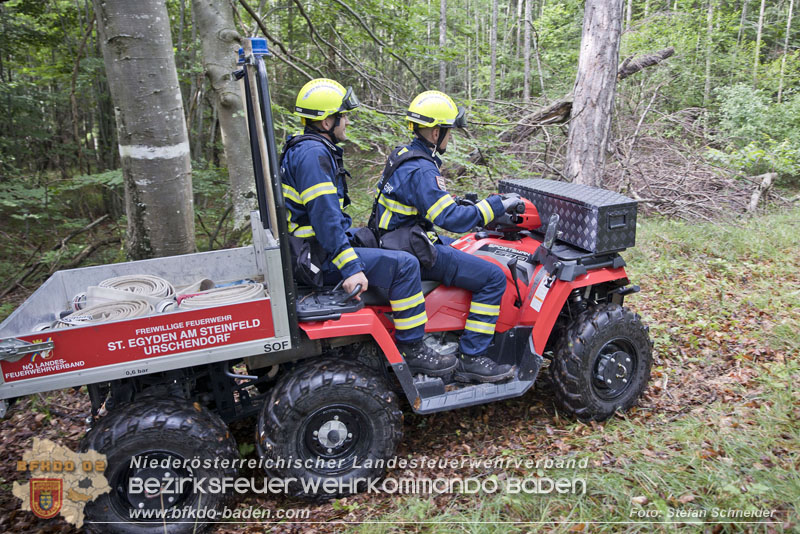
469,56
220,43
741,25
442,43
493,48
526,84
595,84
785,50
628,15
153,144
758,42
520,22
709,35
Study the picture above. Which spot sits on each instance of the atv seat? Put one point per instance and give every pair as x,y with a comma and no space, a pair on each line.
328,303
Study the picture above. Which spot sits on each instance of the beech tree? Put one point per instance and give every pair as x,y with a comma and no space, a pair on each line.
442,44
526,87
493,48
220,42
759,29
785,49
153,143
590,119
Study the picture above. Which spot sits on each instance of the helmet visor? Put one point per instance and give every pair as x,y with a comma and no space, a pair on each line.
350,101
461,119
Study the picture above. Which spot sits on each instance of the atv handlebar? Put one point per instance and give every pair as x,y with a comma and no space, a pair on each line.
350,296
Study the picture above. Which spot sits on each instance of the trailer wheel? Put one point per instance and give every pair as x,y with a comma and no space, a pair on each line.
164,430
328,420
602,363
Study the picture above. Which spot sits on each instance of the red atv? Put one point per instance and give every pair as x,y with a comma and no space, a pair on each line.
319,371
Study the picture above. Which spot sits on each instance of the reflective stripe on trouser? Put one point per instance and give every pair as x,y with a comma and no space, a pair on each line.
487,282
398,274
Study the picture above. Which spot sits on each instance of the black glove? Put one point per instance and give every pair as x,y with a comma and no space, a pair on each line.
512,203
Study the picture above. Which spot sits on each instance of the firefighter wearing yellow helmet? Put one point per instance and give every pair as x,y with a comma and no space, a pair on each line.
412,193
315,191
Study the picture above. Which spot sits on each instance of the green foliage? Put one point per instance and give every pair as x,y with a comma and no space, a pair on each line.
50,176
742,113
246,449
760,135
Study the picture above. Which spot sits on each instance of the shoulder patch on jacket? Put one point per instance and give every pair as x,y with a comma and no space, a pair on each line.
325,163
440,181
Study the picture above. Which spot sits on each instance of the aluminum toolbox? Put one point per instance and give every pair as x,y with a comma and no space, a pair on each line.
596,220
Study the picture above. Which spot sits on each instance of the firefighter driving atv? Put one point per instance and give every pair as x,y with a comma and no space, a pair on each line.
315,188
411,194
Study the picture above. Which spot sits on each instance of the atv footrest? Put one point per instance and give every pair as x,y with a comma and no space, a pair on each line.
472,395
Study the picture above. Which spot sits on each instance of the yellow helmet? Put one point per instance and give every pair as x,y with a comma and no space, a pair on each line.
434,108
321,98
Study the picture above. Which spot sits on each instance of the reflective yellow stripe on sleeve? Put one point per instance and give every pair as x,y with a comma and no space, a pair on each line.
411,322
396,206
484,309
345,257
304,231
407,303
486,210
479,326
291,193
296,230
385,219
325,188
436,209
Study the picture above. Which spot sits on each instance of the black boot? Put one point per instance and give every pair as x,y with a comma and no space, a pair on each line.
423,359
481,369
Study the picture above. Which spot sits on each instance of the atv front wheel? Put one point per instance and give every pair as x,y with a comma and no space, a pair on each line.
328,422
158,438
602,363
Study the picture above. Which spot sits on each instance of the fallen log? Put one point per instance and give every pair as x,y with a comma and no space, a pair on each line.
762,189
559,111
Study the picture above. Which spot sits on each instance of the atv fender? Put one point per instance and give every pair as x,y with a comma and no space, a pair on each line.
367,321
364,321
556,297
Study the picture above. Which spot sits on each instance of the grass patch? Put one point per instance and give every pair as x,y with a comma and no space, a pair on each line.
716,434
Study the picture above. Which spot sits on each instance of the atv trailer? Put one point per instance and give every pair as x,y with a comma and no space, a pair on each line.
318,372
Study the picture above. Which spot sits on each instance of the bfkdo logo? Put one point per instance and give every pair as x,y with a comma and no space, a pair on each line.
47,495
61,481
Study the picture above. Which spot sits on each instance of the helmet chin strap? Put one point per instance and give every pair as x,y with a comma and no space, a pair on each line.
442,135
334,139
435,146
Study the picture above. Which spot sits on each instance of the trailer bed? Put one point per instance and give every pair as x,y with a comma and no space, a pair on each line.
33,359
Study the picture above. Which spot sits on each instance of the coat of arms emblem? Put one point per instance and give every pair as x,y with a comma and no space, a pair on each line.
46,496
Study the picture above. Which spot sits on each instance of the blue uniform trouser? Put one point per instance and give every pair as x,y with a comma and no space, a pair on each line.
398,273
487,283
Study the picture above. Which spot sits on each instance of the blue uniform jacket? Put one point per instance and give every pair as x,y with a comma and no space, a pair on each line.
315,194
416,191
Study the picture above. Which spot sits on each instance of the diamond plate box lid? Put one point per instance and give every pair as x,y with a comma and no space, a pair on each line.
596,220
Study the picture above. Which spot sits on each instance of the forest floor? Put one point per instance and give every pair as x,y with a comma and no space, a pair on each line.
718,429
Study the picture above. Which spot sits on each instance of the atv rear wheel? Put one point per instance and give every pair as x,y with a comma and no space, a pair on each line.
602,363
328,420
167,431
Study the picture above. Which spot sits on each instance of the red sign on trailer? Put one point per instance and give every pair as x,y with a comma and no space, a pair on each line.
98,345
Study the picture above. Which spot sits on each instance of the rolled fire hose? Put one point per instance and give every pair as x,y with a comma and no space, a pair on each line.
220,296
152,289
111,311
141,284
